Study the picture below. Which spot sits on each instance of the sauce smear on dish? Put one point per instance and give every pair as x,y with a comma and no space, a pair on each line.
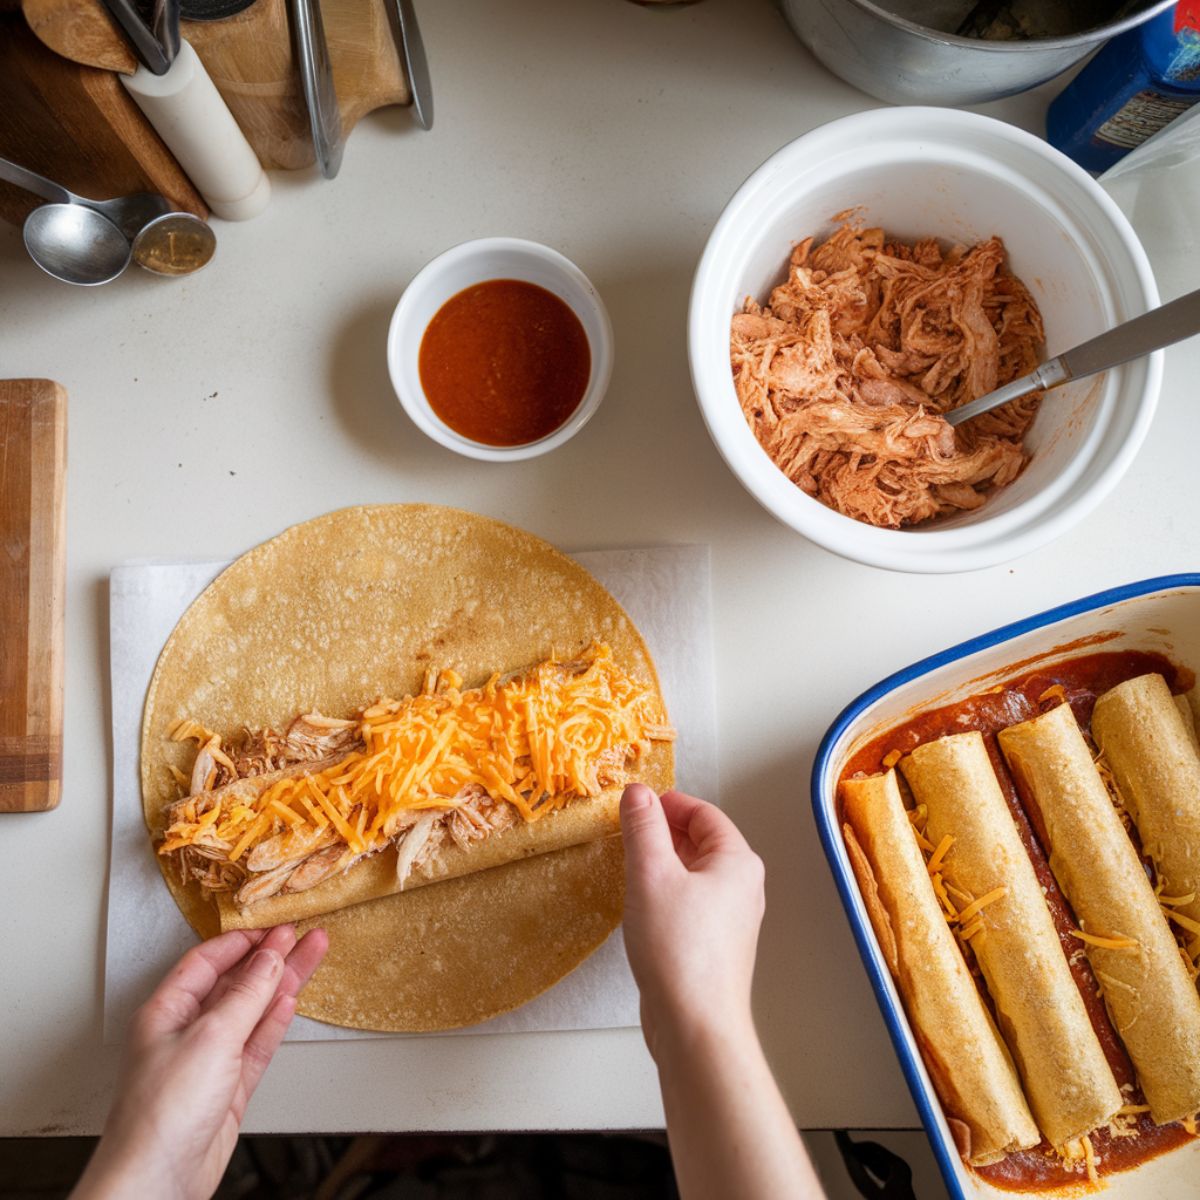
504,362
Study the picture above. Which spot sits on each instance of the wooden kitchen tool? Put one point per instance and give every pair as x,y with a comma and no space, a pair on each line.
33,434
78,126
250,57
84,33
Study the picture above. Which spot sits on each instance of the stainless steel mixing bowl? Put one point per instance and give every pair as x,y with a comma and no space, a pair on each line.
897,51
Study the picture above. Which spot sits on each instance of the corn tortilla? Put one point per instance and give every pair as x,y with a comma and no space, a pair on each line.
358,603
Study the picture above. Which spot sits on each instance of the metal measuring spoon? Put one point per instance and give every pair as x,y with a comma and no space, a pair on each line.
76,244
140,218
174,244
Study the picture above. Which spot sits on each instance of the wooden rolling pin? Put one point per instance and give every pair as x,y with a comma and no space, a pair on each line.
33,432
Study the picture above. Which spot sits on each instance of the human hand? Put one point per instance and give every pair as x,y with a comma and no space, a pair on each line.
693,907
196,1051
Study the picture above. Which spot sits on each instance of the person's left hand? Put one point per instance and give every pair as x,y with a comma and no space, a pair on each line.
197,1049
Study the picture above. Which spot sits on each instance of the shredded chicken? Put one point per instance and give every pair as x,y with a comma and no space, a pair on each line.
296,857
845,373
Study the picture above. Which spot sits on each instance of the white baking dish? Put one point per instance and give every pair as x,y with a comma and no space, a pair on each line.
1161,614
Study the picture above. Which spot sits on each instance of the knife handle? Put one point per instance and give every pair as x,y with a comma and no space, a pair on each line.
189,114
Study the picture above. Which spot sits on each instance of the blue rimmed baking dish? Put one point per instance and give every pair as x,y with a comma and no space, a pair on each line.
1160,614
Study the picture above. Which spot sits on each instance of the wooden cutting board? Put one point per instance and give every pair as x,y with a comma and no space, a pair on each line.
78,126
33,450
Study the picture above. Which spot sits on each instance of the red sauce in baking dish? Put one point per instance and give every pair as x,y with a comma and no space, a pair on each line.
1082,679
504,362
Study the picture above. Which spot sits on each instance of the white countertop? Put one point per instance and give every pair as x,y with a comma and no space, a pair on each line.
209,414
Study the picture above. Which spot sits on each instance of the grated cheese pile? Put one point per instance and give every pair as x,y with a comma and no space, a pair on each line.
536,740
967,920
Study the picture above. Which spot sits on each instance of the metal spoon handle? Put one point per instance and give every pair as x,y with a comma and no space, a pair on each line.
1163,326
31,181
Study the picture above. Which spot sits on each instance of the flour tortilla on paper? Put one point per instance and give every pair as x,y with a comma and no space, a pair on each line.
359,603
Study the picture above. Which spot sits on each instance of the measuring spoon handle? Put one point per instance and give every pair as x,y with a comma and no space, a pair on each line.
31,181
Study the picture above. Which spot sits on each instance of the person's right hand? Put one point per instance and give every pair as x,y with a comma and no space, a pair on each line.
693,907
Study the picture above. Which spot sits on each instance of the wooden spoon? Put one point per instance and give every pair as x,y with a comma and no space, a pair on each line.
82,31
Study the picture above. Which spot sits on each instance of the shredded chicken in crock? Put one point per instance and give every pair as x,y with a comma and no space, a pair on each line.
844,374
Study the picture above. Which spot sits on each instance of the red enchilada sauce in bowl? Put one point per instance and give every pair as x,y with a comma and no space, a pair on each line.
504,362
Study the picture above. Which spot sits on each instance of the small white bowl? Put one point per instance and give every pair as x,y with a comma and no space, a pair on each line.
921,172
475,262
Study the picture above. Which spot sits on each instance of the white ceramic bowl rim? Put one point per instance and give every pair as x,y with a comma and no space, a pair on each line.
987,539
429,289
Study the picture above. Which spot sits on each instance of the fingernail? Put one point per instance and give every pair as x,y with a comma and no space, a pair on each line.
636,795
264,964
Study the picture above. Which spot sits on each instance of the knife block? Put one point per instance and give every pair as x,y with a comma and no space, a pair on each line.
251,59
77,126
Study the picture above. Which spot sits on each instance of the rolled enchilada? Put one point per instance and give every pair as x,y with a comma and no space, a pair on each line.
1184,705
1068,1082
1141,732
969,1064
440,784
1147,989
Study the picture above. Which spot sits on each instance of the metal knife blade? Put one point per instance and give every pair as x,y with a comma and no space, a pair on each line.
165,27
145,45
416,65
316,77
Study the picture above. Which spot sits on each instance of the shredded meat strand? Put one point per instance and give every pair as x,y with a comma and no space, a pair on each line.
845,374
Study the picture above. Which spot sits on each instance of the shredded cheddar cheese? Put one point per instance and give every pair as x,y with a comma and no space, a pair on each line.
942,893
1089,1157
966,921
1187,923
1189,948
536,740
1115,942
927,847
975,906
938,856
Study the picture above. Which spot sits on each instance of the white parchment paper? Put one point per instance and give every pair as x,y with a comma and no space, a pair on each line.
666,590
